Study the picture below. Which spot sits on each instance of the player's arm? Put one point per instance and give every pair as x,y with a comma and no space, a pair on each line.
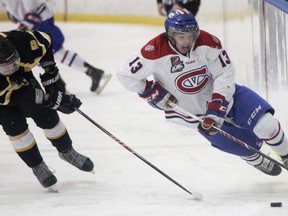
38,11
55,97
176,6
220,66
223,74
50,79
57,100
133,72
33,17
133,75
11,17
161,8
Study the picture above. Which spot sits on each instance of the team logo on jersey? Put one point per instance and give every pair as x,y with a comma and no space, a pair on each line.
215,39
34,45
253,115
149,48
177,64
193,81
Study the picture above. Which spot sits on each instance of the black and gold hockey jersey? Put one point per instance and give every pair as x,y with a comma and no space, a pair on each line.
34,47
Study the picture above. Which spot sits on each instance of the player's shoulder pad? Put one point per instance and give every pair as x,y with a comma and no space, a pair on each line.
15,34
44,35
157,48
207,39
32,34
20,36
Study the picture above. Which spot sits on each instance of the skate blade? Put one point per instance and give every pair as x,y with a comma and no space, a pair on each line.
103,82
53,189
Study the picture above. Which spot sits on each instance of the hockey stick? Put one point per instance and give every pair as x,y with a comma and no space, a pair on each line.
229,136
195,195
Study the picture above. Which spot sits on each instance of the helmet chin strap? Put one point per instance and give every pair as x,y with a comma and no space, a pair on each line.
173,44
188,54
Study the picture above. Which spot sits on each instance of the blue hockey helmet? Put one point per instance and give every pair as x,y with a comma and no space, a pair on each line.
181,20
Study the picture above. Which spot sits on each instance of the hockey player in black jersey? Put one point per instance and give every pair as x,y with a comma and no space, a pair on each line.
39,15
23,97
164,6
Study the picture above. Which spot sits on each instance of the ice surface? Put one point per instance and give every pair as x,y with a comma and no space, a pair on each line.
123,185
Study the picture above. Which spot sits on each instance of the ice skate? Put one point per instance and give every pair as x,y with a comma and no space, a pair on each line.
99,78
268,167
80,161
45,176
285,160
103,82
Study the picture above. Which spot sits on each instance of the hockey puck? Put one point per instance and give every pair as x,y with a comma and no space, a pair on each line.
276,204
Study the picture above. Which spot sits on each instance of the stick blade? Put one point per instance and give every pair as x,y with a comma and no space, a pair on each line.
197,196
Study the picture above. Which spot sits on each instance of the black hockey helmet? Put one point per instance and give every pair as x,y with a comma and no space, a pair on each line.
9,57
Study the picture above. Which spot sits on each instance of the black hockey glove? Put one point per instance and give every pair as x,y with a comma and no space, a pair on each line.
28,97
28,81
51,79
62,102
20,80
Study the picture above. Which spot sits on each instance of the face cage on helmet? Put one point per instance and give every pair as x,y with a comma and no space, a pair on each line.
11,66
173,30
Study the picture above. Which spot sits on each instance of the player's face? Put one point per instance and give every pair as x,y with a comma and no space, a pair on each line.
7,69
184,41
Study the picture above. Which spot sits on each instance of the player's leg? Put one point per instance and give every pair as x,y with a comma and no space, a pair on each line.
73,59
15,126
248,109
228,145
56,132
192,6
168,6
269,130
98,76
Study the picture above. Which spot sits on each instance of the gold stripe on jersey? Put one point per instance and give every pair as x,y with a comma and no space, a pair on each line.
46,36
26,68
3,35
8,91
34,44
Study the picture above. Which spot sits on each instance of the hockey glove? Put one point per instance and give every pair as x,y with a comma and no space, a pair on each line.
22,80
30,21
27,97
214,116
62,102
157,96
51,79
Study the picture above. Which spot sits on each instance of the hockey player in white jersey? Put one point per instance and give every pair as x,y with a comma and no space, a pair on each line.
39,15
190,67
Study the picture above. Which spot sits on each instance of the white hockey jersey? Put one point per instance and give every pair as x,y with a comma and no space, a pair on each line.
17,9
191,79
